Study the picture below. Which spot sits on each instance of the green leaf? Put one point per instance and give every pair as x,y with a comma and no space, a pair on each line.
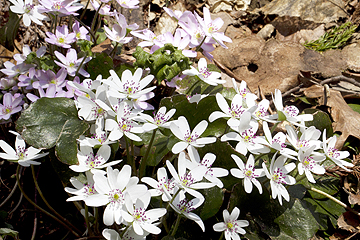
9,31
100,35
100,64
213,201
355,107
158,150
53,122
321,121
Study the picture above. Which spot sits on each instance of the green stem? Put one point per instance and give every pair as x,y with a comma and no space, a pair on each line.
84,11
87,220
38,207
96,213
47,203
274,127
144,160
133,158
334,199
96,17
82,62
16,27
113,52
176,225
198,47
259,156
127,227
10,195
193,87
128,156
87,28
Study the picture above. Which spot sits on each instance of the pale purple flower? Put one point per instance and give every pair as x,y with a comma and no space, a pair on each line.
248,173
177,15
117,34
181,130
121,20
80,32
23,156
62,37
26,51
210,77
50,93
72,63
211,27
60,7
8,83
192,27
104,10
231,225
12,70
46,78
149,37
278,177
11,105
28,81
28,10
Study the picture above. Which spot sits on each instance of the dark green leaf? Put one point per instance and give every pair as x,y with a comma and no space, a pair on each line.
100,64
53,122
321,121
213,201
9,31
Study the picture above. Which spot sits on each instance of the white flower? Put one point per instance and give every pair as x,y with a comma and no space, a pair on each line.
99,136
211,78
248,98
248,173
82,191
203,167
111,192
89,161
110,234
130,86
161,119
246,137
335,155
188,138
20,155
309,162
184,207
140,219
233,113
277,142
188,181
164,186
231,225
29,11
124,125
278,176
289,113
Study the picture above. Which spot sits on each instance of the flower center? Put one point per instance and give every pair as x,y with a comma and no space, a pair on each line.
261,112
7,110
205,72
236,110
89,189
302,143
131,87
187,180
190,137
57,5
139,215
116,196
212,28
308,162
292,111
71,64
29,7
185,206
92,161
229,225
333,152
61,40
278,176
248,136
21,152
125,125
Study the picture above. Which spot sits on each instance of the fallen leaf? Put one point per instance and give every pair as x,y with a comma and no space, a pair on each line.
346,120
354,198
349,222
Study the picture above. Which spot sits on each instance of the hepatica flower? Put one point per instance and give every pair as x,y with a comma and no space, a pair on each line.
81,190
210,77
163,186
310,163
248,173
11,105
72,63
28,10
132,4
60,7
278,177
62,37
181,130
23,156
93,162
334,154
161,119
231,225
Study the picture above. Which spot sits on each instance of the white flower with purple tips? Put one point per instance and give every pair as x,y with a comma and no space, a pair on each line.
231,225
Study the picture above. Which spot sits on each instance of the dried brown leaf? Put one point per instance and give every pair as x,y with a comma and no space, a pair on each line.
345,119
